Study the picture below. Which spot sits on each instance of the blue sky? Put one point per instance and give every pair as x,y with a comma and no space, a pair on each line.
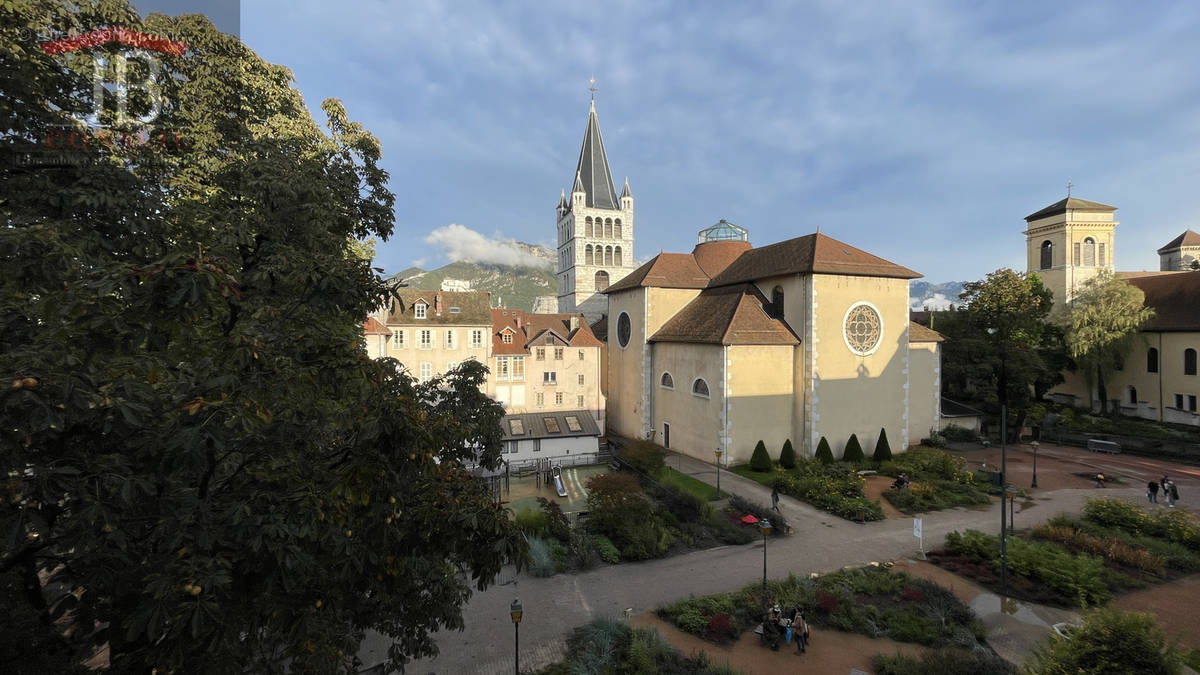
922,132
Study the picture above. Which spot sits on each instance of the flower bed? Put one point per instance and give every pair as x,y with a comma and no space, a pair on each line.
872,601
939,481
834,488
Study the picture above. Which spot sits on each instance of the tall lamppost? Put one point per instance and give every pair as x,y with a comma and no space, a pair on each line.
764,526
718,454
515,610
1034,444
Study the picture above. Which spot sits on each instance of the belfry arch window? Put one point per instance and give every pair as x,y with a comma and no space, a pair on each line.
608,228
587,255
1047,255
608,255
617,256
700,388
601,280
1089,252
776,302
588,226
617,228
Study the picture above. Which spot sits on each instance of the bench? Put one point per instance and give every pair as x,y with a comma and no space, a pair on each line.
1097,445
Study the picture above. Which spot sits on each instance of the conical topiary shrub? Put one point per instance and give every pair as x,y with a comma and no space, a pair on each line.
824,454
883,451
853,453
787,457
760,461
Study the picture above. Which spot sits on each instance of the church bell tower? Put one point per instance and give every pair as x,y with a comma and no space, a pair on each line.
1068,243
595,229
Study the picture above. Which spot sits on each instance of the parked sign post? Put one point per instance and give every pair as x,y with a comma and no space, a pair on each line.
920,536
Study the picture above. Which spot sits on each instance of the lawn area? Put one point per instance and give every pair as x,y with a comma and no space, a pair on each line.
745,471
692,486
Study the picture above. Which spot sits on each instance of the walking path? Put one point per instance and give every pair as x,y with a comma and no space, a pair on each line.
820,543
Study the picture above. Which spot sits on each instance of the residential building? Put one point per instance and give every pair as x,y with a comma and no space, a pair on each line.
431,332
549,434
1181,254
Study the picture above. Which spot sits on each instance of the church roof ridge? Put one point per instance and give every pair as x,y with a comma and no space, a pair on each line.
811,254
592,174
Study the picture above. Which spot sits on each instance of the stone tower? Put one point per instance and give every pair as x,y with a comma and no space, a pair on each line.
1068,243
595,230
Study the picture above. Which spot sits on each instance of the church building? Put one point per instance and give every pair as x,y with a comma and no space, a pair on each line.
1068,243
595,230
728,345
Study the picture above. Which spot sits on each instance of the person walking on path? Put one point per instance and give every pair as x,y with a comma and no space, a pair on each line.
1169,491
800,631
1174,493
1152,492
775,498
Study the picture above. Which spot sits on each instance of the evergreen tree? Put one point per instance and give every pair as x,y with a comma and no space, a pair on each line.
787,457
883,451
760,460
854,452
824,454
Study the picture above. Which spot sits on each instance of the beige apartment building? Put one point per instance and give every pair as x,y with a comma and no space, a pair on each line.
543,362
431,332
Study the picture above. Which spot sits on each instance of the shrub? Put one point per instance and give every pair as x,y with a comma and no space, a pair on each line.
935,440
644,456
760,461
954,432
826,601
1108,547
1081,577
1110,642
583,550
947,661
541,558
608,551
787,457
531,522
883,451
853,453
720,629
557,525
823,455
973,544
618,509
742,505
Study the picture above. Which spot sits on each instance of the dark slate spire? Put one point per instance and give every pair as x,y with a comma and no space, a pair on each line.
562,200
625,190
593,172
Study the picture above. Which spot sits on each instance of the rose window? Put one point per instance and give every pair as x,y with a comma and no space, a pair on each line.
863,329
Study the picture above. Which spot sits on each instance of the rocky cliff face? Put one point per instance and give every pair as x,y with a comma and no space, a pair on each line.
515,286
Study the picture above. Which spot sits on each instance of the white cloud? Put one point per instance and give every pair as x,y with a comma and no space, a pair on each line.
462,244
937,302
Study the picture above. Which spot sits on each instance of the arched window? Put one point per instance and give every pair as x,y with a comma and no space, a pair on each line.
1132,395
617,228
588,226
667,382
700,388
608,228
601,280
776,302
1152,360
608,255
617,256
587,254
1189,361
1047,255
1089,252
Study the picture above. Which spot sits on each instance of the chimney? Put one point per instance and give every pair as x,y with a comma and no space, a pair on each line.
574,322
437,303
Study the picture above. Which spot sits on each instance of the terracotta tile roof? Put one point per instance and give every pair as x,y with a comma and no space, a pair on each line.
665,270
1073,203
530,328
919,333
472,308
509,319
714,256
1175,299
731,315
1145,273
1188,238
810,254
372,327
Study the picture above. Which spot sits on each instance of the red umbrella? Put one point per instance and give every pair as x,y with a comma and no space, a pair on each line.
749,519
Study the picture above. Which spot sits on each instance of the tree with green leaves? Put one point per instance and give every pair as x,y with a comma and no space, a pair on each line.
759,459
1104,320
1110,642
853,452
883,450
202,464
1001,345
824,453
787,456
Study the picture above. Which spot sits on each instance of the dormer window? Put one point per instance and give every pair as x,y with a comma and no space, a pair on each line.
506,338
419,310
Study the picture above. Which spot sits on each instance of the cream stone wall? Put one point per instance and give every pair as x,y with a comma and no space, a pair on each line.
759,399
1155,391
852,393
439,355
567,374
695,421
625,364
797,294
924,390
1180,259
1063,232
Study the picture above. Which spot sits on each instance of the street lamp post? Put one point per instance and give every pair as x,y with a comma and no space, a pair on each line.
718,454
764,526
1035,447
515,611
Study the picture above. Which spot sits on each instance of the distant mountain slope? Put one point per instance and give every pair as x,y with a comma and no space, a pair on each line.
922,294
514,285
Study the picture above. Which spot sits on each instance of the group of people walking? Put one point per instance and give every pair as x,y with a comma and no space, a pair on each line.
1170,492
787,627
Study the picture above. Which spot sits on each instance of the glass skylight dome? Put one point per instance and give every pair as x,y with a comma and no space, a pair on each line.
723,231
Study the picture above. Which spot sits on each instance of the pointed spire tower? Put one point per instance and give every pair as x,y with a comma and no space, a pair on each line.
595,228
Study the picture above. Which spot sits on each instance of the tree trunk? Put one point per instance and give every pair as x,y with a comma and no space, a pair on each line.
1102,391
